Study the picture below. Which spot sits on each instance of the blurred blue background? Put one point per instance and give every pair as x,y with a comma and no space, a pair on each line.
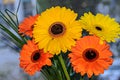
9,58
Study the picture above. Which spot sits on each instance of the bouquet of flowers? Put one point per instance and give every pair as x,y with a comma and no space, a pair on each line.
61,45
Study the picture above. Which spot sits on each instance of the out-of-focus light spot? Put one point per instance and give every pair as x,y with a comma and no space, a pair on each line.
8,1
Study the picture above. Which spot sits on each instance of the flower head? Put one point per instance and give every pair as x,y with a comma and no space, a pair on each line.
32,59
26,26
102,26
56,30
90,57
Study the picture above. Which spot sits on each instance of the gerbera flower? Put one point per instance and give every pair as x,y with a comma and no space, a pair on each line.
103,26
56,30
26,26
90,57
32,59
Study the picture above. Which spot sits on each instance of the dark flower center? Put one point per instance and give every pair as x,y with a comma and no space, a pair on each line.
35,56
90,54
57,29
98,28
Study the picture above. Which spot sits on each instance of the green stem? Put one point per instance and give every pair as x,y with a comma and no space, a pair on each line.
81,78
63,66
90,78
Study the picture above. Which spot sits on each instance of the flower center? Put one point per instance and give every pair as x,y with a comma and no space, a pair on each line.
90,54
98,28
35,56
57,29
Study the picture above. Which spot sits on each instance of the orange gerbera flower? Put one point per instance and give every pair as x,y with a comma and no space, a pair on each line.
90,57
26,26
32,59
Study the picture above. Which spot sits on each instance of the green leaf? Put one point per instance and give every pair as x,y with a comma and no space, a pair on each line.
12,18
11,35
9,21
13,43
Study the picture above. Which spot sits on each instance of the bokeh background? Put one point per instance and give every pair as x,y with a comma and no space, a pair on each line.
9,57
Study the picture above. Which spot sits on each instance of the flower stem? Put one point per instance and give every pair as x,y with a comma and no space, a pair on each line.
63,66
81,78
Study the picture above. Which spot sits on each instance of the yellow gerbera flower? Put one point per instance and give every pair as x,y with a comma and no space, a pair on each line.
103,26
56,30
